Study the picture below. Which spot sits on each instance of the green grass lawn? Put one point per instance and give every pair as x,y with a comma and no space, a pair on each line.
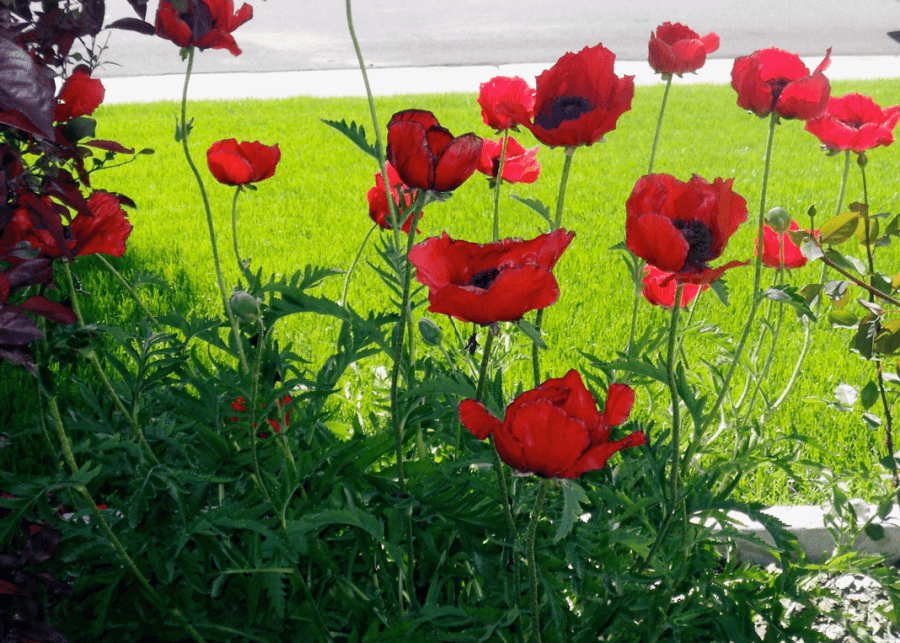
314,211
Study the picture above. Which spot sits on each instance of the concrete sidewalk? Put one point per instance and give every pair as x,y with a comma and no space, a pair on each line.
427,80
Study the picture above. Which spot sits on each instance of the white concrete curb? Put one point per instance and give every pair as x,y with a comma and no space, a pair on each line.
807,523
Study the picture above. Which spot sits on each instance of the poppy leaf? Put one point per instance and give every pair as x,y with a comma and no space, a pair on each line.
721,289
356,133
535,205
573,496
838,229
533,333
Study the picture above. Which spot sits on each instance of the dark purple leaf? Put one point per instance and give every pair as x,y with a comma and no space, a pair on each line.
24,87
109,146
140,7
50,309
92,13
48,215
16,328
133,24
28,273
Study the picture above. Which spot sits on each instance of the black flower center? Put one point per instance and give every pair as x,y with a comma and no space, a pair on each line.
777,85
699,238
485,278
564,108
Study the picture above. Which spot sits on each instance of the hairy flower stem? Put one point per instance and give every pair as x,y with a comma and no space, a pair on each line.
131,291
356,259
659,120
496,231
676,402
757,299
234,235
395,392
557,222
69,457
532,566
254,386
183,130
840,201
94,360
498,466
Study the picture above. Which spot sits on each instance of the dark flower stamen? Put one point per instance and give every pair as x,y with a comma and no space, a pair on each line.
564,108
699,238
485,278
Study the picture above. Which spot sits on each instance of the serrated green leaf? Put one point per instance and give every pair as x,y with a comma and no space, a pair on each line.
573,496
533,333
535,205
356,133
721,289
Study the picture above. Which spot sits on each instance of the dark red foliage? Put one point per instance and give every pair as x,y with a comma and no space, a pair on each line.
556,430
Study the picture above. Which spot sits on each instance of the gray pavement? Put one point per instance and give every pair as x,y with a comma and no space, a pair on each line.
302,47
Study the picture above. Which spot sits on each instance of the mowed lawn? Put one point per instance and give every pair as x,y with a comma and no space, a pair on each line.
314,211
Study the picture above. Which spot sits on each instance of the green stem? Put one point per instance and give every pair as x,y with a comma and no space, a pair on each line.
254,386
234,235
131,291
757,300
220,277
840,202
94,360
557,220
867,221
353,265
532,566
676,402
496,230
482,373
659,120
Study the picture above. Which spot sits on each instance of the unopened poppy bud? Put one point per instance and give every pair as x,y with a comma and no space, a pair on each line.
779,220
245,306
432,334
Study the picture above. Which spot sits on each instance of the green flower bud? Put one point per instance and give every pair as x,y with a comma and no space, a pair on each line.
245,307
779,220
432,334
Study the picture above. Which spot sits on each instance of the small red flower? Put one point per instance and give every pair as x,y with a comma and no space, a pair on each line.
426,155
659,289
234,163
775,80
556,430
240,404
379,209
506,102
680,227
80,96
772,241
207,24
520,165
855,122
677,49
488,283
579,99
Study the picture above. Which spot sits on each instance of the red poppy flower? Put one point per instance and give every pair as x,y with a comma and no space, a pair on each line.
106,231
855,122
506,102
680,226
240,404
520,165
579,99
659,288
379,210
774,80
426,155
677,49
771,257
234,163
498,281
80,96
556,430
207,24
